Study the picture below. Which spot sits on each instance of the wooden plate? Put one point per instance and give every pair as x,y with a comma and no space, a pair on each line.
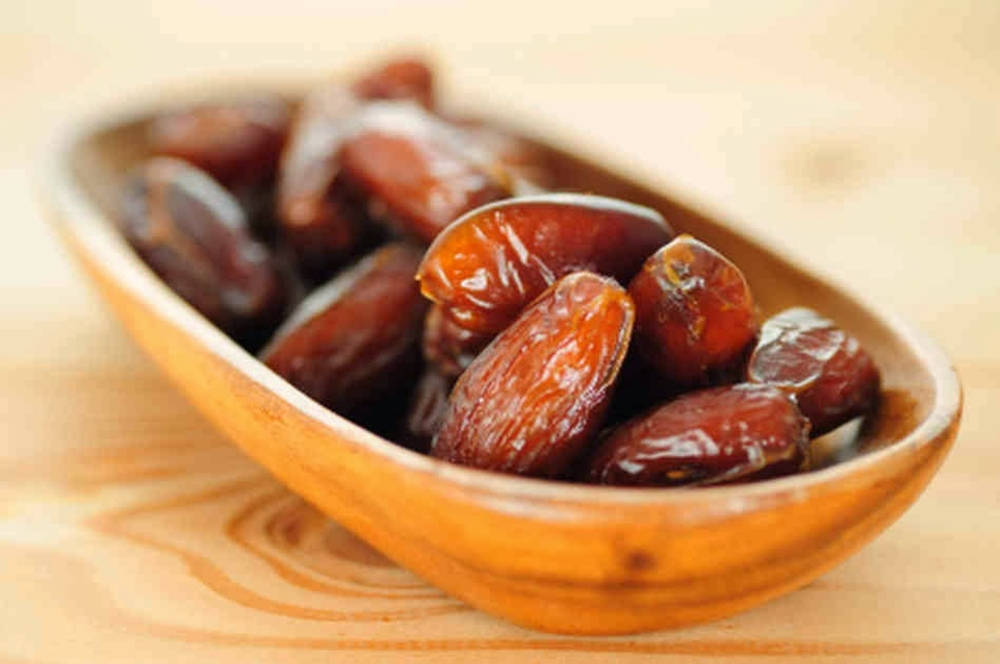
554,556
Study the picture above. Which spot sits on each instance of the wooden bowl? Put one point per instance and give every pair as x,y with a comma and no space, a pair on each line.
554,556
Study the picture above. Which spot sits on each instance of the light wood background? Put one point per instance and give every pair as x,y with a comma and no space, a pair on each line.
864,137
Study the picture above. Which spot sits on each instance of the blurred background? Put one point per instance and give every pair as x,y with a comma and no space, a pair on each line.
861,137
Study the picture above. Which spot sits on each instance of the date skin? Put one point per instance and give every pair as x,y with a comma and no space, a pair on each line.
426,410
237,143
536,396
722,434
194,235
694,313
321,218
354,340
496,259
831,376
418,172
450,349
401,78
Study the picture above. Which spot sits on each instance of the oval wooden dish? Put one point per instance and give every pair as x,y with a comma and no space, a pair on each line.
554,556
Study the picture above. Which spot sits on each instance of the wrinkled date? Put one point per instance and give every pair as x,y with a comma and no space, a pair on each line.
323,218
426,410
448,347
320,217
534,398
717,435
830,374
418,172
694,314
493,261
194,235
238,143
354,339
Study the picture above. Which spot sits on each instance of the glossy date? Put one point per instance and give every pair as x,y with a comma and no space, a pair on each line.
448,347
321,218
355,339
238,143
417,171
717,435
492,262
533,400
830,374
194,235
694,314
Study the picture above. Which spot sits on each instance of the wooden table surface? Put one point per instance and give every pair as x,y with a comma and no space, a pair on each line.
862,136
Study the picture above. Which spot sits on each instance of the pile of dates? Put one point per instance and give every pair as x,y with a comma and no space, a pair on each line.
412,271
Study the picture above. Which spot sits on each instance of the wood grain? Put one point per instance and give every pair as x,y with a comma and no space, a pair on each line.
877,122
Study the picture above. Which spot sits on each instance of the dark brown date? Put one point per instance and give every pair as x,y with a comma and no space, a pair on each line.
737,432
238,143
493,261
448,347
321,218
194,235
402,78
355,339
426,411
694,314
535,397
419,173
830,374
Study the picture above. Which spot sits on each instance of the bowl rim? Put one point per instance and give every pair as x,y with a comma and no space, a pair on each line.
71,208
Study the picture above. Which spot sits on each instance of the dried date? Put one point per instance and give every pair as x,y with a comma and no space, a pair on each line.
535,397
194,235
320,216
418,172
694,313
830,374
426,410
722,434
493,261
238,143
448,347
355,339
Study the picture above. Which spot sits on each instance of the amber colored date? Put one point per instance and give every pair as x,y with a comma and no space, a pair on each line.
238,143
722,434
448,347
194,235
694,314
420,173
426,410
535,397
321,218
493,261
402,78
830,374
355,339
